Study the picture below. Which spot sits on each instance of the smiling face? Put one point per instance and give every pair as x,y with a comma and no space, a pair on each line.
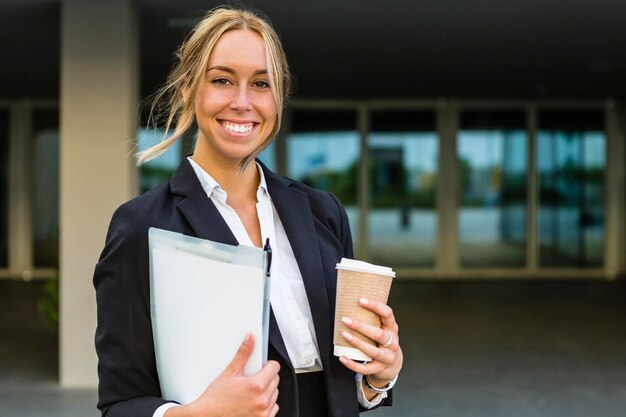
234,106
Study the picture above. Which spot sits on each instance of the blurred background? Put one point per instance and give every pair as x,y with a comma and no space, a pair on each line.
478,148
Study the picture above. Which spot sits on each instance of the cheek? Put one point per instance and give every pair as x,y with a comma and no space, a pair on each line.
200,101
269,110
210,101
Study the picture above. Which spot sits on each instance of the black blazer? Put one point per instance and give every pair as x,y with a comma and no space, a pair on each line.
318,230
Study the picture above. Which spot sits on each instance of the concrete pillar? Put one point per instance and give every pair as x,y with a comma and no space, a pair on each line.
99,97
20,221
448,187
615,194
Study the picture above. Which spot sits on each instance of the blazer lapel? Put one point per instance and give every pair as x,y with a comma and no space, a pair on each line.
197,208
297,218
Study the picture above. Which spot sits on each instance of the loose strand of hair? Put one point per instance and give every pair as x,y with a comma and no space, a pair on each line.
183,125
165,98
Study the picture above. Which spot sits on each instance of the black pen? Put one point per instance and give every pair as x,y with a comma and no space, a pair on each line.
267,248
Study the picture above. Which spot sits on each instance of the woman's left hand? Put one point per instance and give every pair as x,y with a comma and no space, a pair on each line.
386,355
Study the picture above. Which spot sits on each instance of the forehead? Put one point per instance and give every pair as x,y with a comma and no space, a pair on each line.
239,48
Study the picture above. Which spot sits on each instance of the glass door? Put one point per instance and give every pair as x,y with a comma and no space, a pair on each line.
402,219
492,157
571,160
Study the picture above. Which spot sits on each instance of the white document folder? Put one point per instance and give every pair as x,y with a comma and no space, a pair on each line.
204,297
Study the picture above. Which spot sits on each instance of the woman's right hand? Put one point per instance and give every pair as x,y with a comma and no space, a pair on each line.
233,394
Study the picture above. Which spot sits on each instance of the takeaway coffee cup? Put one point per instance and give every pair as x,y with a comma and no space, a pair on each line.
355,280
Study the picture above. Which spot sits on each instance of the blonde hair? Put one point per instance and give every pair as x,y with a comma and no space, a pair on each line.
168,103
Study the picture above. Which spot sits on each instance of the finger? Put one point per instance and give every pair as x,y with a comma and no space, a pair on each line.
268,373
274,398
274,411
383,310
273,385
375,333
271,401
243,354
378,354
362,368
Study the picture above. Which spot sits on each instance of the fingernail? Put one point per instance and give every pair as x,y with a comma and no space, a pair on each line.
346,320
246,339
346,335
364,301
343,360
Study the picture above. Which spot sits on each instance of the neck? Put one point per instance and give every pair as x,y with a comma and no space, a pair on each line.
240,186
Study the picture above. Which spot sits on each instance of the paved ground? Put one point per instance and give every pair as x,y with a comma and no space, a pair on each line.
506,349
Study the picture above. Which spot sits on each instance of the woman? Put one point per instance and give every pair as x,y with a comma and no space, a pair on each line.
232,79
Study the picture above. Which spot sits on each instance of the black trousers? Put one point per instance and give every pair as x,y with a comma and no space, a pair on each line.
312,395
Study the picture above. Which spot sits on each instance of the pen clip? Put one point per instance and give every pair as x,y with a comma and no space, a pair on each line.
268,249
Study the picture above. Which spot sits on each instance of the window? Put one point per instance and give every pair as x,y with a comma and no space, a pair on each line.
402,220
571,162
492,155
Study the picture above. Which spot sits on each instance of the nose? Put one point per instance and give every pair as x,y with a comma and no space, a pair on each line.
241,100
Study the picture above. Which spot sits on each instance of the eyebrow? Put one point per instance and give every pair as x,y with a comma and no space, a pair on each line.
232,71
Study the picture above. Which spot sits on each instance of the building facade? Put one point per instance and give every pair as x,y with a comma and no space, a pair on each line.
443,176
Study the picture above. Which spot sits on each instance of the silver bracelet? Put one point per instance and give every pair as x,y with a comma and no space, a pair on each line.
386,388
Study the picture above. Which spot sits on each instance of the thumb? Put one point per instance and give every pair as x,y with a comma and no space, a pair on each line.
243,353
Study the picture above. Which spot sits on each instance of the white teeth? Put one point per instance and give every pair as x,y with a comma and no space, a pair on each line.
237,128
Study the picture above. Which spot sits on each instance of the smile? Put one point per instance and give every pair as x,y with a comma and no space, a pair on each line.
237,127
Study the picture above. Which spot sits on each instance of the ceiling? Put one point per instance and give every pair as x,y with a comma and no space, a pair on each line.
372,48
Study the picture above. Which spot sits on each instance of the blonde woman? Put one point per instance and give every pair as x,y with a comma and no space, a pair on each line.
232,79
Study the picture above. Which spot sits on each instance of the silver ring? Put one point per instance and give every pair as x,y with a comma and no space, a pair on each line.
389,341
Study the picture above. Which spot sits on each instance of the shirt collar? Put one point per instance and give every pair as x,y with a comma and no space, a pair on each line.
210,186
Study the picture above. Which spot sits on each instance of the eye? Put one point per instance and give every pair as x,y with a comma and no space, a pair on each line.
261,84
220,81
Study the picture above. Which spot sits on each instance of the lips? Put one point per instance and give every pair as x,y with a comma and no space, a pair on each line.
237,127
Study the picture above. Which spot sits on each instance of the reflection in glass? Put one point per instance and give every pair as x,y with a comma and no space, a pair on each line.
4,188
323,152
160,169
571,163
402,221
492,151
45,189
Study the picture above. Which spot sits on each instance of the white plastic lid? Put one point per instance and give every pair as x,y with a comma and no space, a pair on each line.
360,266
